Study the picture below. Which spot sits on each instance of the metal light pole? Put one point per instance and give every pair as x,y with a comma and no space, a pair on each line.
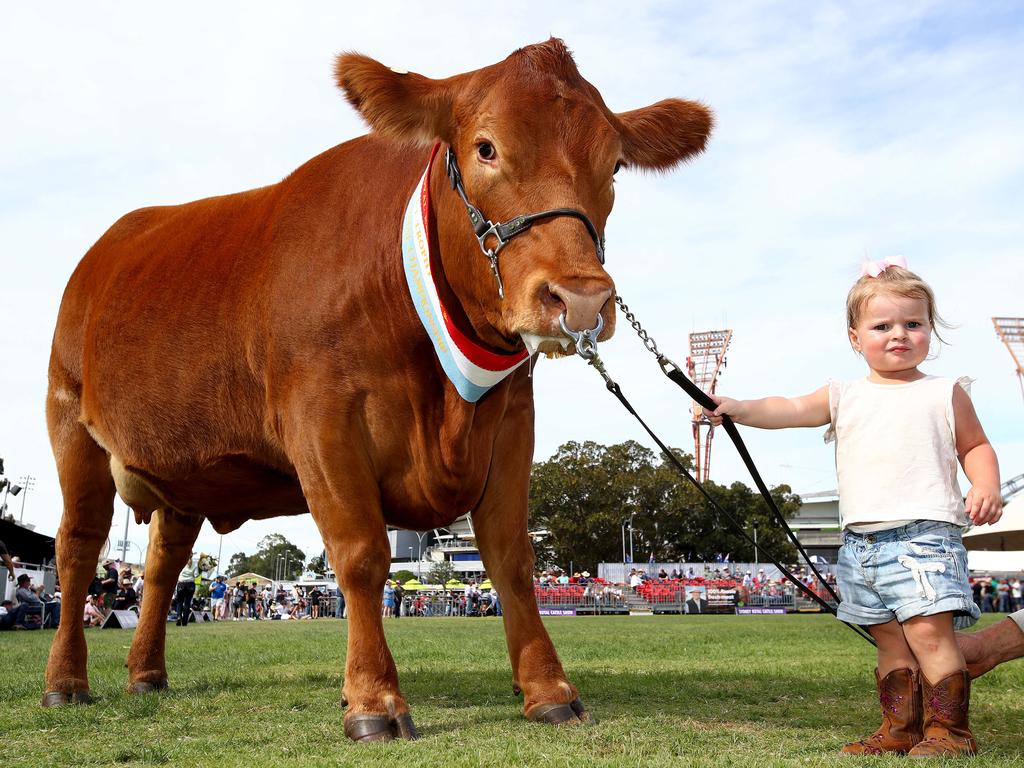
755,543
624,546
26,486
419,556
124,541
220,548
631,538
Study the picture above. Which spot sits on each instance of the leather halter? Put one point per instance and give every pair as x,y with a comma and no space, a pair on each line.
502,233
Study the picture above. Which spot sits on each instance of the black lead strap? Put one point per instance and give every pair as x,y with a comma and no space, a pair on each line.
617,391
586,347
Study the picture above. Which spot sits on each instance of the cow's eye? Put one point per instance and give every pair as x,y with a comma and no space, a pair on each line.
618,167
486,150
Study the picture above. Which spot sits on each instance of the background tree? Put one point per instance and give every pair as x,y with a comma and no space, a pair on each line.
265,561
404,575
585,492
582,495
441,573
317,565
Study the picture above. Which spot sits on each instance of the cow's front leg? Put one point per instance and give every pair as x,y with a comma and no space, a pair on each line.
500,523
352,526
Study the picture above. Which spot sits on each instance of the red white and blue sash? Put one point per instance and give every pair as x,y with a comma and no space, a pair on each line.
470,367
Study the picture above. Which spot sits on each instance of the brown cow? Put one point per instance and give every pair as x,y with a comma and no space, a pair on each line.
261,353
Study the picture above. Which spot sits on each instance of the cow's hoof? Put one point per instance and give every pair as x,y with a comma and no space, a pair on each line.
142,687
561,714
59,698
368,727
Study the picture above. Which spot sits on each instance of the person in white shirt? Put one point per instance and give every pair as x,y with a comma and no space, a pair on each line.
902,567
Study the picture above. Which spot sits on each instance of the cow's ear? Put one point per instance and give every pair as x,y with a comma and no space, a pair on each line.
400,104
661,135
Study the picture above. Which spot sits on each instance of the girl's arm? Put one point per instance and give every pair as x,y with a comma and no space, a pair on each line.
984,503
775,412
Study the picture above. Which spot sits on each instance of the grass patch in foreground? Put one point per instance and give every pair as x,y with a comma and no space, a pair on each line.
668,691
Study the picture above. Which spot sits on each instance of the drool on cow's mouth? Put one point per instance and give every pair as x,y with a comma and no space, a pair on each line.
548,345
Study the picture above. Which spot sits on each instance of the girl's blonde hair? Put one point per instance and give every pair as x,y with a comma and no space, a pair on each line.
898,281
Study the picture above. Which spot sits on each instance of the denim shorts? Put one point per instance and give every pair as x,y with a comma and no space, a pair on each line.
918,569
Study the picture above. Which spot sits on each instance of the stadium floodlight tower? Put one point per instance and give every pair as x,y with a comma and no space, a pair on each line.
706,359
1011,332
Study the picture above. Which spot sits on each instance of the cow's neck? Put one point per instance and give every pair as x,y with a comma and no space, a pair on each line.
471,366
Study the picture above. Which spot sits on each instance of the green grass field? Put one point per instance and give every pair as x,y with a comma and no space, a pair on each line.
668,690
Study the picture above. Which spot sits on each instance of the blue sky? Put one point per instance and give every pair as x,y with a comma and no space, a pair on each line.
844,131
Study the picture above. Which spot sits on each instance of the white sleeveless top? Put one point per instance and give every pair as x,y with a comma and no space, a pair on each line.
896,450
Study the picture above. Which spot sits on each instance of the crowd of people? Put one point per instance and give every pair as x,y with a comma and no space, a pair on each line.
473,600
252,602
993,595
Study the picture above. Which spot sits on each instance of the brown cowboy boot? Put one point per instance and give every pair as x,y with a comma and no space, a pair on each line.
900,697
946,730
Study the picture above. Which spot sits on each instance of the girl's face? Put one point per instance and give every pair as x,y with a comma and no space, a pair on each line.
893,334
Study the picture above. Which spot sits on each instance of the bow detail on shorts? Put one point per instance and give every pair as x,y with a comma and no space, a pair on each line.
920,570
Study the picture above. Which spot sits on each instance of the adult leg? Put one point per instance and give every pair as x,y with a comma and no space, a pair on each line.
88,489
171,537
993,645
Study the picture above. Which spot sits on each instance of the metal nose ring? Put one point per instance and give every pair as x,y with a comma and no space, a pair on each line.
586,341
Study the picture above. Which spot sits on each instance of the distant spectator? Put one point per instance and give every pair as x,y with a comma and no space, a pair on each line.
217,591
7,615
1003,596
93,616
29,612
5,557
184,591
109,584
389,600
238,595
399,598
635,580
250,600
315,595
125,598
137,585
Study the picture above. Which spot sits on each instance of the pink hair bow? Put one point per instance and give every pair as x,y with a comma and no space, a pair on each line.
875,268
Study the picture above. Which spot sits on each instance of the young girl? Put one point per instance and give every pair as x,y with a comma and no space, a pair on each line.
902,567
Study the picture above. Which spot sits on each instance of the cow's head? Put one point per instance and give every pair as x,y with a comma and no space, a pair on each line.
530,134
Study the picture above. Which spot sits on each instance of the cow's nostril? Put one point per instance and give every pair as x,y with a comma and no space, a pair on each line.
552,298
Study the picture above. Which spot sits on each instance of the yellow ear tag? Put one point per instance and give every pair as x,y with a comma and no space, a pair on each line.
398,71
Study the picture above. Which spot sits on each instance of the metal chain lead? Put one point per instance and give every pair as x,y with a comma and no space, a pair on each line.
648,341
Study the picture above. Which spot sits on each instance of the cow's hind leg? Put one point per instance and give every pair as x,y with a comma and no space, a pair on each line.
88,488
171,537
